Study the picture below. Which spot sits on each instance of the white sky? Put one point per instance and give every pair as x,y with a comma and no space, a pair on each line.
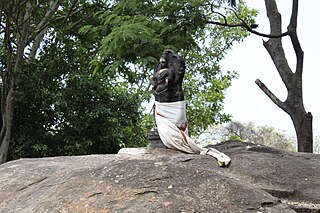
245,101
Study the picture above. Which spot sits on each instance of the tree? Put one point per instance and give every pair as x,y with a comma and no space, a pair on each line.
17,22
292,78
141,30
293,105
62,108
130,37
77,123
248,132
23,28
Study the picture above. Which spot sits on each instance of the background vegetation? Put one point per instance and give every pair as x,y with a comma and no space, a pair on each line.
81,89
248,132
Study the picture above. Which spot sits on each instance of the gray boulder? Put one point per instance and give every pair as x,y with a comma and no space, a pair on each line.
259,179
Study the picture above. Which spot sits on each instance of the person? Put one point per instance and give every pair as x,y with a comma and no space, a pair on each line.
170,108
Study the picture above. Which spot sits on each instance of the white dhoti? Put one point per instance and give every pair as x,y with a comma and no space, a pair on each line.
173,130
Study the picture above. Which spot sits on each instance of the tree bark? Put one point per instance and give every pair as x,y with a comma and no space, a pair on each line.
42,28
6,127
293,105
303,126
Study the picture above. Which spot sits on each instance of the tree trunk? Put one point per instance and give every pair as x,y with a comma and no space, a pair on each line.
303,126
5,134
10,75
293,105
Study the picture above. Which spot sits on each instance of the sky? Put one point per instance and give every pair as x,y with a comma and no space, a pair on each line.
245,101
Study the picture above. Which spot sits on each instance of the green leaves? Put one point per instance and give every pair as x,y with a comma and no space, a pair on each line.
141,30
63,109
83,93
133,37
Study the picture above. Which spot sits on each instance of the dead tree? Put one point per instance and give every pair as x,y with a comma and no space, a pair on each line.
292,79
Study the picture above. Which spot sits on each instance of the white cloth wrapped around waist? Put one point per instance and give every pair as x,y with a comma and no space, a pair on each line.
173,130
174,112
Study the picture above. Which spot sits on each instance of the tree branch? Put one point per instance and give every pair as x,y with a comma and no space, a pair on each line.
274,45
42,28
69,12
292,28
249,29
245,25
22,41
274,99
1,15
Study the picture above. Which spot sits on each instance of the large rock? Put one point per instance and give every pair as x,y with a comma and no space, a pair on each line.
259,179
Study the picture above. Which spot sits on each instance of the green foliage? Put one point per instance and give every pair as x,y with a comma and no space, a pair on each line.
63,109
96,120
141,29
235,137
205,87
83,92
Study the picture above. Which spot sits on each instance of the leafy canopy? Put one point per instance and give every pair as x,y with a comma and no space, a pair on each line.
82,94
137,31
62,108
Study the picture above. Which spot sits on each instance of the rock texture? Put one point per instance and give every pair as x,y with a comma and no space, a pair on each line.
259,179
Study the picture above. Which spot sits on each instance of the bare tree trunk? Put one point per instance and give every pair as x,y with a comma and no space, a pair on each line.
6,127
293,105
292,80
303,126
